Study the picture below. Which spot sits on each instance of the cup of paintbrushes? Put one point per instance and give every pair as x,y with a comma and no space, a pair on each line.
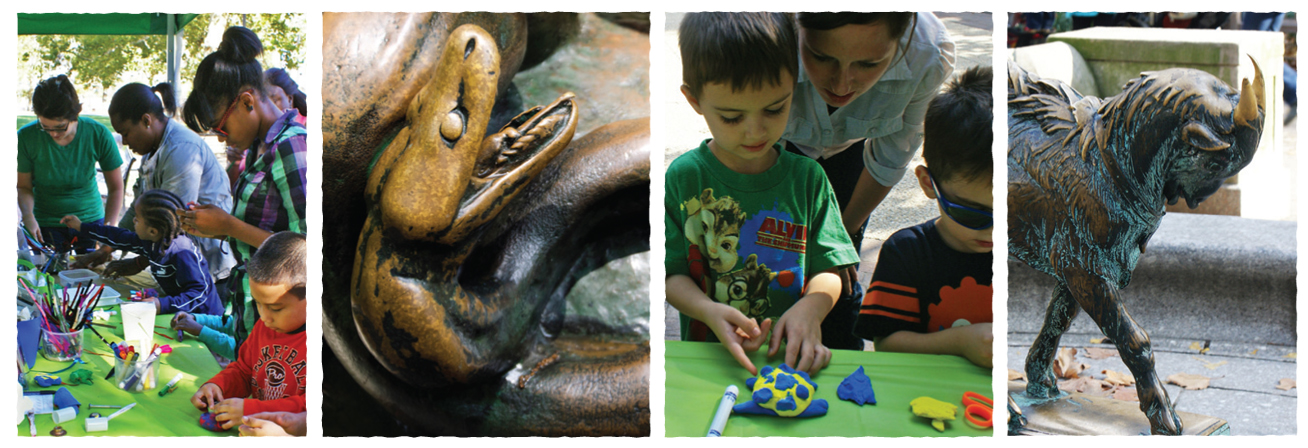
61,347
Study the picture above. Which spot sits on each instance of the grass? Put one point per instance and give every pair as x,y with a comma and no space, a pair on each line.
102,119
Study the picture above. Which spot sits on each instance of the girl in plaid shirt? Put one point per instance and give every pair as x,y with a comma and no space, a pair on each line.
231,99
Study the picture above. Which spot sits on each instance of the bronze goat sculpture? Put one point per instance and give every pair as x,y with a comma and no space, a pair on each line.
1087,184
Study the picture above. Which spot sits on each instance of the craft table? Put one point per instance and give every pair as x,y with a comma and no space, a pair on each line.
169,415
699,372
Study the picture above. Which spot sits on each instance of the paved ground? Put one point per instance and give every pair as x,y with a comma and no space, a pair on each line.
905,206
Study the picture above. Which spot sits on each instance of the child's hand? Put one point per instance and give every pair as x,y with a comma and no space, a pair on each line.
186,322
275,424
255,427
848,279
801,327
100,256
125,268
208,394
158,307
977,344
228,412
737,332
72,222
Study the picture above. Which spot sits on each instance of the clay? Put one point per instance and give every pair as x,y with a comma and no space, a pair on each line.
857,387
208,422
1087,183
783,392
468,239
58,431
937,411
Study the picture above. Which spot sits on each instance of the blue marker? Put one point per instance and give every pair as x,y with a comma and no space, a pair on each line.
724,411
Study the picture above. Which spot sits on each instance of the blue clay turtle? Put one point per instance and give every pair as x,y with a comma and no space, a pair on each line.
783,392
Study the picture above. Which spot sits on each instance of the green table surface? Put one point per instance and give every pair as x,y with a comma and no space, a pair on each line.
698,373
169,415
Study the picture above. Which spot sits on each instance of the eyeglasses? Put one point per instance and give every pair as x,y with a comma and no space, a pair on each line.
219,128
972,218
56,130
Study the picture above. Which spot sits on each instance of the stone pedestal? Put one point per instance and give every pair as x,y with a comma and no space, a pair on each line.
1116,55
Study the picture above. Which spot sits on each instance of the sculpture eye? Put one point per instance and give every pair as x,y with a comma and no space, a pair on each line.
454,125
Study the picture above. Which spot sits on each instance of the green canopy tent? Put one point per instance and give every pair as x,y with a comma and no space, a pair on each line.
169,25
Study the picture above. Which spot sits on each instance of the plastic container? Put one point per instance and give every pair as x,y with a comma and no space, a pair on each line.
61,347
73,277
146,374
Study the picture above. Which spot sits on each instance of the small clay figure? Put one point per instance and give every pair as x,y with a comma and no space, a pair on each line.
783,392
208,422
936,410
857,387
58,431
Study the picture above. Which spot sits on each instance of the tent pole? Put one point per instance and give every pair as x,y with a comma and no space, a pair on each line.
174,62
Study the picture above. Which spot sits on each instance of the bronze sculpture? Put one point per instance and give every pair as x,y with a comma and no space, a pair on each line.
1088,180
467,242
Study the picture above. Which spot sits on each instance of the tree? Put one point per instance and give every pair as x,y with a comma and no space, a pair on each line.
97,64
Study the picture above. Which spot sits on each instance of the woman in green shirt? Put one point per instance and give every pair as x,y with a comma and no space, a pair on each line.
57,156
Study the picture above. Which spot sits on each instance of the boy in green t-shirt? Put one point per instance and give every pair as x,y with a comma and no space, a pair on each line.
752,232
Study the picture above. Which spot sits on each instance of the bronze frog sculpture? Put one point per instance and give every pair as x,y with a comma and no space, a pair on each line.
469,244
1087,183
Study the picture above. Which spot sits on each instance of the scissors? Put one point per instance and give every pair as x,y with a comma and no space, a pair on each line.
978,410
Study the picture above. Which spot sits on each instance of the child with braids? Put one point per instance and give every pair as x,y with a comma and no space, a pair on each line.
174,260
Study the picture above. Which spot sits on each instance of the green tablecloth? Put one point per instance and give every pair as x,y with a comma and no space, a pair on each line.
169,415
698,373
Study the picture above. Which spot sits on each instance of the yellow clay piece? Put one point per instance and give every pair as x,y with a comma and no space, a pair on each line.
936,410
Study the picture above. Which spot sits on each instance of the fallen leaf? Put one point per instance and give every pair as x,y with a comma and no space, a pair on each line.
1126,394
1066,365
1204,351
1286,384
1209,365
1291,356
1189,381
1255,352
1097,340
1100,353
1014,375
1196,346
1086,385
1118,378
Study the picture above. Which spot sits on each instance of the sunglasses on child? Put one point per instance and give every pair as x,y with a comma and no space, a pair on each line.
972,218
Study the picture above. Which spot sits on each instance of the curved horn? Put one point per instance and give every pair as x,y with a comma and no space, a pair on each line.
1249,112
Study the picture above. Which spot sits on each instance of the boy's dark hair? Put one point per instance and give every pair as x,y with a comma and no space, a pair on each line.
55,98
744,49
159,210
222,75
280,260
134,100
958,133
277,77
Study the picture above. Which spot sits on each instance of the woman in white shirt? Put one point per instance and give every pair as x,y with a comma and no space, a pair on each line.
858,110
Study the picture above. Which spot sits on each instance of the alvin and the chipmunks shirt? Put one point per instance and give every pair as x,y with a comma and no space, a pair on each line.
750,240
922,285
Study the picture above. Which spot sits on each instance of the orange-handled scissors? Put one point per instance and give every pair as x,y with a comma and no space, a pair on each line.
978,410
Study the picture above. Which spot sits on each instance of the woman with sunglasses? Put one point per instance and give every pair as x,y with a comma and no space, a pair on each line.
858,110
931,291
57,156
230,98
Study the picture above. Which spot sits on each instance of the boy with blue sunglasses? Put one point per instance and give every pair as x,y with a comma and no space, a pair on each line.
931,290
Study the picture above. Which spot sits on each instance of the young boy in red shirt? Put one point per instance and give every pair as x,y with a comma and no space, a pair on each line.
270,365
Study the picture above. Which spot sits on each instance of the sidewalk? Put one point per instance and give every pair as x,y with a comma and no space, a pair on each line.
905,205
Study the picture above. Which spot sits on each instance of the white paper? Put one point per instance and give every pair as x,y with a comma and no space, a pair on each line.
138,325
